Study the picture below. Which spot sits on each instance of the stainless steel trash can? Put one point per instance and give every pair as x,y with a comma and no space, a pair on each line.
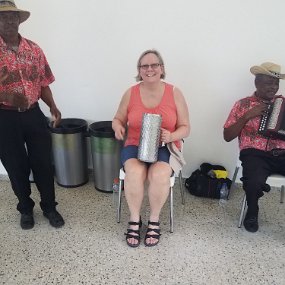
106,151
70,152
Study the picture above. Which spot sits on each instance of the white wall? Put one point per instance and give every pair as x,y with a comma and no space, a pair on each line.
208,47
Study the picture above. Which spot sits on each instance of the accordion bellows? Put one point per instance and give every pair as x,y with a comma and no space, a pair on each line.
272,123
149,137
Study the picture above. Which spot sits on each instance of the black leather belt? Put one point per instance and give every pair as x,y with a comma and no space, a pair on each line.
18,109
277,151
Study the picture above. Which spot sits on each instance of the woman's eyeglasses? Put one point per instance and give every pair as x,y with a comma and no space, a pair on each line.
152,66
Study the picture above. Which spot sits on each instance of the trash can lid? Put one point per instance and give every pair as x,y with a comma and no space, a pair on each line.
102,129
69,126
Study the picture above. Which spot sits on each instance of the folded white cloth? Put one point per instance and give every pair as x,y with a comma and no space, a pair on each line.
176,159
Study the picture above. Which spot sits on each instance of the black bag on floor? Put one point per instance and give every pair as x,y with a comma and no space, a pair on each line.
207,181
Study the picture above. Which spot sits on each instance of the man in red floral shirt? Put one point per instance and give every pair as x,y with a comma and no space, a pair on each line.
260,156
25,141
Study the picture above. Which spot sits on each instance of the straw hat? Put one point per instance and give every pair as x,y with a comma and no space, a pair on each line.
10,6
268,68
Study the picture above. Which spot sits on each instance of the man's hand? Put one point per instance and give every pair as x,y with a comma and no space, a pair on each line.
234,130
56,116
257,111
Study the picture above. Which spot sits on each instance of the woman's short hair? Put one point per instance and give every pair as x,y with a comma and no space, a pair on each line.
138,77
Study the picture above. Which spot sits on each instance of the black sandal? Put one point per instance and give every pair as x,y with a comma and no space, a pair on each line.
130,234
156,235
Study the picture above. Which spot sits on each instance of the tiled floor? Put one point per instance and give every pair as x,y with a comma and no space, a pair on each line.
205,248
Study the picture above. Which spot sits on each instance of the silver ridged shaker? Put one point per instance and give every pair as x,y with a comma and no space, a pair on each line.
149,137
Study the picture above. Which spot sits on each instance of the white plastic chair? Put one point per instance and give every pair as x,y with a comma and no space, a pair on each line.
274,180
171,184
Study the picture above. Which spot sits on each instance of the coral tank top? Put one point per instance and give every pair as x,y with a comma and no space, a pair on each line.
166,108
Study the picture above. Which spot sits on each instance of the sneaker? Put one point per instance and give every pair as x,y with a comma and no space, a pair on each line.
27,221
55,218
251,223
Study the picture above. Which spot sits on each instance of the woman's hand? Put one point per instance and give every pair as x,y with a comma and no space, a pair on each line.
120,132
165,136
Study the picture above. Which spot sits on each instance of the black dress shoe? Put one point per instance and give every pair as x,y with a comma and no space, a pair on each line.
27,221
266,188
251,223
55,218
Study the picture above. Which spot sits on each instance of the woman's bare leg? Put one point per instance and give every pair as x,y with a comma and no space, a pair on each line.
136,173
159,178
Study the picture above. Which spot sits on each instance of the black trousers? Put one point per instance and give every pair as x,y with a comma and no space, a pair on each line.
257,166
25,145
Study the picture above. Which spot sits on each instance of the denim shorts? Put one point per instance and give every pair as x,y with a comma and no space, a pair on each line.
131,151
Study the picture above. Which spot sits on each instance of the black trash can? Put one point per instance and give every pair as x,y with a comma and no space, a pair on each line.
106,151
69,150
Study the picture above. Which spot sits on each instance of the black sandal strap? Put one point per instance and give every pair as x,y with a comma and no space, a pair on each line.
152,236
128,235
156,235
135,234
131,223
134,223
133,231
156,231
154,223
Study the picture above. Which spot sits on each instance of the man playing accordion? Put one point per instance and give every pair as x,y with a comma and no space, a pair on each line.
261,155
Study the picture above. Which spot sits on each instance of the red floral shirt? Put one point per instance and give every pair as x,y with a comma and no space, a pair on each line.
28,70
249,136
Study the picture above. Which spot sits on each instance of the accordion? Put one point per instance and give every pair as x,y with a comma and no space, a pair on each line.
272,123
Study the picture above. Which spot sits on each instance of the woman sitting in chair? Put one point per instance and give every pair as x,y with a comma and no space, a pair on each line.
150,95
